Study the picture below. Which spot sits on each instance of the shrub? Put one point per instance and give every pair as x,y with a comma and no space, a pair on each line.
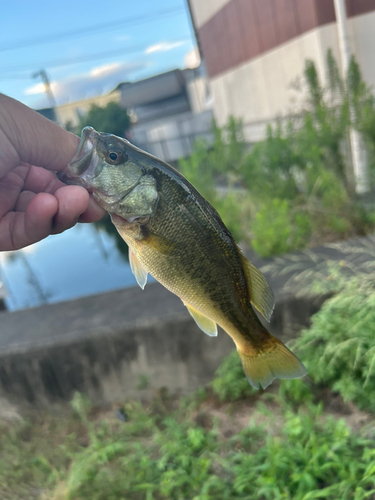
296,186
312,457
339,348
230,382
299,455
276,229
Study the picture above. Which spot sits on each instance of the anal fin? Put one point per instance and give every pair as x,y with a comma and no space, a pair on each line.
137,269
205,324
261,295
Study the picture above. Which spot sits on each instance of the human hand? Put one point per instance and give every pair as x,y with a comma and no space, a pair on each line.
34,203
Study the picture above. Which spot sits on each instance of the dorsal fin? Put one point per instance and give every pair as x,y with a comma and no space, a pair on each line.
137,269
205,324
261,295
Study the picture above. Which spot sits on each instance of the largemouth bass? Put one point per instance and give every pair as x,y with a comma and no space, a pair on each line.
175,235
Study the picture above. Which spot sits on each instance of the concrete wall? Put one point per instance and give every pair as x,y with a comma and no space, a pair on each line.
198,91
203,10
269,86
102,346
362,37
172,138
260,84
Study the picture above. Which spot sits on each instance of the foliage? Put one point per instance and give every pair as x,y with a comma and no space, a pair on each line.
219,165
311,459
277,229
302,454
296,187
112,119
229,383
339,348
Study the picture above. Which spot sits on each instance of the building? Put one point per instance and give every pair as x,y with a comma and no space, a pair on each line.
255,52
72,111
169,111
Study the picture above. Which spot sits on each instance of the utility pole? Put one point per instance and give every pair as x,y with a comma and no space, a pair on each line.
361,172
48,90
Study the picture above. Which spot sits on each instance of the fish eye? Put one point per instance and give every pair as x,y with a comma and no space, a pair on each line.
114,157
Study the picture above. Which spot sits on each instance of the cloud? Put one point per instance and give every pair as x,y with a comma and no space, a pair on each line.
163,46
192,58
99,80
38,88
105,70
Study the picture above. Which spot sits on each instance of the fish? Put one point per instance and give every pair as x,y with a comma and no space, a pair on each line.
177,237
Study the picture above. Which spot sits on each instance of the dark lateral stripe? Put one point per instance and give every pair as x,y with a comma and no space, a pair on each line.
245,29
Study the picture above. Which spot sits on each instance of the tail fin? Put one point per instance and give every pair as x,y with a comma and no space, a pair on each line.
263,366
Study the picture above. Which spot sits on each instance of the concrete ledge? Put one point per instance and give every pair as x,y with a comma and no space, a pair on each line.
102,345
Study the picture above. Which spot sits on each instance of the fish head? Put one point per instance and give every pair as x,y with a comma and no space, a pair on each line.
114,171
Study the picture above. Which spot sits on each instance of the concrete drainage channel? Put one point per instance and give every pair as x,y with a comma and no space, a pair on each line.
108,355
108,346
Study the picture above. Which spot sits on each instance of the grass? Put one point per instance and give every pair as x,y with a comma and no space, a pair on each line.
197,448
303,439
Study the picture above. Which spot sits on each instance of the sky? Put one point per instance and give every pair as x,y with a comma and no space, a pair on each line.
88,47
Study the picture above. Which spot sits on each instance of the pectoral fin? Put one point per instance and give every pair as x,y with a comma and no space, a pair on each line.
156,242
137,269
261,295
204,323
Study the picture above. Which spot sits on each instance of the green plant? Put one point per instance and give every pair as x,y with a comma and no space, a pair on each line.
339,348
300,455
296,187
112,119
277,229
208,167
230,383
311,459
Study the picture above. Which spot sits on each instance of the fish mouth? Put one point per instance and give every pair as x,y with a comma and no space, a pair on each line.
81,160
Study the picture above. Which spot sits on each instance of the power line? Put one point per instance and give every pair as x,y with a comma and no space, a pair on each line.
29,42
16,77
91,57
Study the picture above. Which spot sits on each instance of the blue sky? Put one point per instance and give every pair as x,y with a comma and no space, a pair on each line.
142,38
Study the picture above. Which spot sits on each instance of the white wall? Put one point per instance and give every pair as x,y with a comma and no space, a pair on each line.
267,87
203,10
362,37
264,89
199,94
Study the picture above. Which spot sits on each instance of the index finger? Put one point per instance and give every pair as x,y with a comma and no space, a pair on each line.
27,136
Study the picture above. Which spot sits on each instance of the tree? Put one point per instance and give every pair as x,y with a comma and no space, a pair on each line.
111,119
